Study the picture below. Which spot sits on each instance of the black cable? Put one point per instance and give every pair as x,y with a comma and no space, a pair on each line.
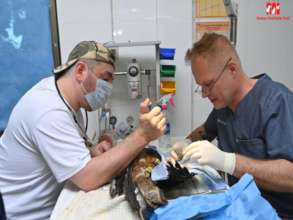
86,139
86,121
59,93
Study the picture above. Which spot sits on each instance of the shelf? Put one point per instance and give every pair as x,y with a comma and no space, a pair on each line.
132,44
167,87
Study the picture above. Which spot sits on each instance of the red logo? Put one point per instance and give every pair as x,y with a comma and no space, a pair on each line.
273,7
273,12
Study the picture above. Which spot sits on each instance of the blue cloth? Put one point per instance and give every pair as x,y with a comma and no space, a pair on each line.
262,128
241,201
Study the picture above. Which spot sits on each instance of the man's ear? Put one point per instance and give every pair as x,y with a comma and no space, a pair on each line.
80,71
233,68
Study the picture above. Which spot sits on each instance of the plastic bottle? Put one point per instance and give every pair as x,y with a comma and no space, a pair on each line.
165,140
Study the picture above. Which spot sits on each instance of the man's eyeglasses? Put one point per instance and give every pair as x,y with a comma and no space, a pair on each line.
206,90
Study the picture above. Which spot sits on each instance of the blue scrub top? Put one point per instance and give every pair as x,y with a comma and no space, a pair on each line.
262,128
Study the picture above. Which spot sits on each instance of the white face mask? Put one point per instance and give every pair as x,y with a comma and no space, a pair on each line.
97,99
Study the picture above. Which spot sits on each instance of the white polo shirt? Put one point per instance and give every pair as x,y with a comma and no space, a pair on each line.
40,149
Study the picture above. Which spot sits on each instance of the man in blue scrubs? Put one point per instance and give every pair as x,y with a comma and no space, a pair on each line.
252,120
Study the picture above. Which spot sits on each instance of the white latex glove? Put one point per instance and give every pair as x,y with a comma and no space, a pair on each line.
205,153
178,148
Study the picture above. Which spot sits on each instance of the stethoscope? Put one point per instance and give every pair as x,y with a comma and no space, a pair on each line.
83,131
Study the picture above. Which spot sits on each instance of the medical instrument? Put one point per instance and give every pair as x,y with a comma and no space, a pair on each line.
134,80
113,121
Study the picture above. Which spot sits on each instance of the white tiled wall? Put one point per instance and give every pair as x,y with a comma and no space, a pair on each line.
134,20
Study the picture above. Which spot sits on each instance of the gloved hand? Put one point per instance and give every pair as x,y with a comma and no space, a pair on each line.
205,153
178,147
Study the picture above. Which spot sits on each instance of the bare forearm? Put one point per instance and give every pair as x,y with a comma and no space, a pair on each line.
104,167
135,139
274,175
99,170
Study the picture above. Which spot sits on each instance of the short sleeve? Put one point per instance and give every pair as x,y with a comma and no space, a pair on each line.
211,124
62,147
278,129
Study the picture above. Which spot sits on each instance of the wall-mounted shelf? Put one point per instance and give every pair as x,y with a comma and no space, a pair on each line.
133,44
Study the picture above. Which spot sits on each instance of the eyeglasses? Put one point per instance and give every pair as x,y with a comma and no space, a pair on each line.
206,90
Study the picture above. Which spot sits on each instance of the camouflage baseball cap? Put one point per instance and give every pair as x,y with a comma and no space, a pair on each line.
87,50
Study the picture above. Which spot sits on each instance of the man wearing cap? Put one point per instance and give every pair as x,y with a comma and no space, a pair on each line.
44,143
